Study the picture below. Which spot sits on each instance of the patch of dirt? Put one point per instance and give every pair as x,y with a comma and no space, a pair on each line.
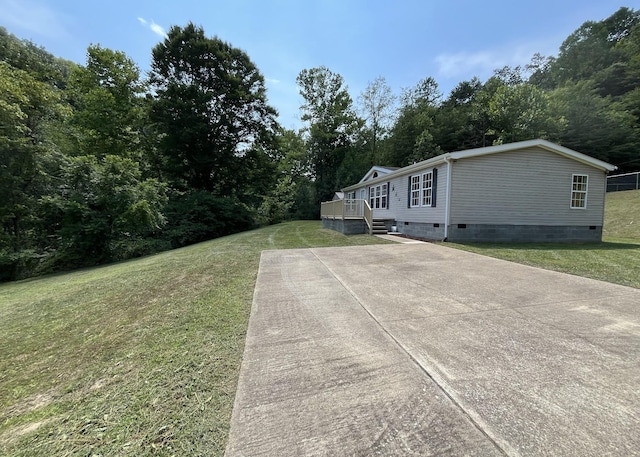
13,434
30,404
99,384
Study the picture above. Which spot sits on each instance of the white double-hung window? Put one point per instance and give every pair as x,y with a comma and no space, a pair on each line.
378,196
422,189
579,184
427,188
415,190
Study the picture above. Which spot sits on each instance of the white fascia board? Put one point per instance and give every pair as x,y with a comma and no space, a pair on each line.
580,157
544,144
372,170
399,172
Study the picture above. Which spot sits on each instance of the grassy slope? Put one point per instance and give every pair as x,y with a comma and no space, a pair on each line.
136,358
622,216
142,357
615,260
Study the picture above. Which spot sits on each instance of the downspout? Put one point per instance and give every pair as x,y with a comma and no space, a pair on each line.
604,202
447,207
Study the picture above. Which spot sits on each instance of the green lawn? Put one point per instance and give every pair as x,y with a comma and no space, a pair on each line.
142,357
612,261
622,216
136,358
616,260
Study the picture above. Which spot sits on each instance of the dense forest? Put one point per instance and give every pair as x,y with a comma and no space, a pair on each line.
99,163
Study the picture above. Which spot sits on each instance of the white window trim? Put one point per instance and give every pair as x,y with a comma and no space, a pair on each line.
417,191
420,190
376,195
423,189
585,192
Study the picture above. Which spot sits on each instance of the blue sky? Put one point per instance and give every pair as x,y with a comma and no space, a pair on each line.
402,40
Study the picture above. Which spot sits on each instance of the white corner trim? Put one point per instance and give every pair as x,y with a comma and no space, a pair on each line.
447,206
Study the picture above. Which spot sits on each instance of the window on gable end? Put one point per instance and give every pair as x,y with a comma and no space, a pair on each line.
579,186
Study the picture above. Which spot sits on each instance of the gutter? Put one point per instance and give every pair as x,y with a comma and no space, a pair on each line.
447,210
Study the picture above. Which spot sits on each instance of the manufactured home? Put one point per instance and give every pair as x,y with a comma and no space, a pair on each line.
530,191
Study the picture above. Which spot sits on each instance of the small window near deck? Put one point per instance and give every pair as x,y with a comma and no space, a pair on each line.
579,191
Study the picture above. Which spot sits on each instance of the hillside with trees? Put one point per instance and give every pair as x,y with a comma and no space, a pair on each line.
98,164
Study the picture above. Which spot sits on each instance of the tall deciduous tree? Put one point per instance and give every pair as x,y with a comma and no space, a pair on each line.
377,105
522,112
210,109
28,109
413,133
331,125
108,105
460,123
103,205
597,126
592,48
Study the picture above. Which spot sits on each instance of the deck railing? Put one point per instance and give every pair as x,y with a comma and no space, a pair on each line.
348,208
332,210
368,216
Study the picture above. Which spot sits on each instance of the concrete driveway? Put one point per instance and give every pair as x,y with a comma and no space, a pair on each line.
421,349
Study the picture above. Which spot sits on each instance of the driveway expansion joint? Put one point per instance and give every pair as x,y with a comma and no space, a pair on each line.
343,357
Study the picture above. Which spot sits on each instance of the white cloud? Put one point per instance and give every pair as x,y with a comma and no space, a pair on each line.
155,28
32,17
158,30
462,63
272,80
482,63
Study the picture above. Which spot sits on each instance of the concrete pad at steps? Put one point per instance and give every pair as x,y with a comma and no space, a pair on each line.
420,349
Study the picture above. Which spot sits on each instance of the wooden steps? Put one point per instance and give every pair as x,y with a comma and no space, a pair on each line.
379,227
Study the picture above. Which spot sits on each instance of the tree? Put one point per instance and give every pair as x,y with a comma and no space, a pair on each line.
36,61
210,109
539,70
28,110
108,104
377,107
331,125
101,203
412,137
295,193
460,121
521,112
595,125
101,207
592,47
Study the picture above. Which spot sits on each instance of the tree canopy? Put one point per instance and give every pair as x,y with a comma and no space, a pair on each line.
99,164
210,109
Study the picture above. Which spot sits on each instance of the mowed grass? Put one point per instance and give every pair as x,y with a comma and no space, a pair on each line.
142,357
616,259
136,358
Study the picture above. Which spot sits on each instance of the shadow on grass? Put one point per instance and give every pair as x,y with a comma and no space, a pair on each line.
604,246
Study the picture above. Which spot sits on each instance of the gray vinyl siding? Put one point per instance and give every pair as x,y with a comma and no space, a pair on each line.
398,196
526,187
